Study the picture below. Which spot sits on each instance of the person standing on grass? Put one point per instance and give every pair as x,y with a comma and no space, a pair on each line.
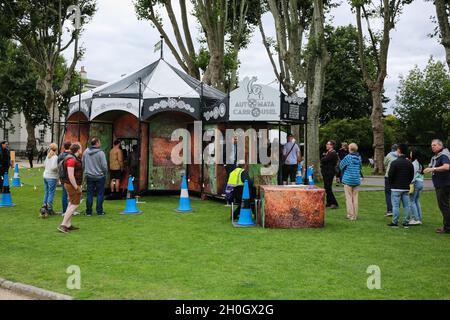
328,164
291,158
50,180
342,153
400,175
30,155
391,156
417,187
40,154
350,167
115,167
5,161
440,169
61,157
95,170
72,182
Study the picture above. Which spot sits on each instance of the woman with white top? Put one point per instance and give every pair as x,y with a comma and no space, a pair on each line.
50,180
417,187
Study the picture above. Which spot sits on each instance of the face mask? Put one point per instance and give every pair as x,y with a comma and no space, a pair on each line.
293,140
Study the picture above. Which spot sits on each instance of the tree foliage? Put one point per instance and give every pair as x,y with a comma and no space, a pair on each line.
345,95
18,76
423,103
42,26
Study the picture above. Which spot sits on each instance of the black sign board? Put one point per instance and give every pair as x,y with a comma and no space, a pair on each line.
294,109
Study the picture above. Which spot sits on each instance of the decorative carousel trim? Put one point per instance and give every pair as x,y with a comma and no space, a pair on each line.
171,103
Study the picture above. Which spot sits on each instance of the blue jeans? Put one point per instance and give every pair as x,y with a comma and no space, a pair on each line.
415,203
49,191
397,197
95,185
65,200
387,194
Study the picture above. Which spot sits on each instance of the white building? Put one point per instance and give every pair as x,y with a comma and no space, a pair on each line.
16,132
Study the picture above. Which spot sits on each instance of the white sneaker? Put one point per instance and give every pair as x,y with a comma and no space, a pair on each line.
414,223
388,214
76,213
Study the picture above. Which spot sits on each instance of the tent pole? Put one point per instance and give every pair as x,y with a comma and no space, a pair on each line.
139,136
280,164
201,147
79,108
305,164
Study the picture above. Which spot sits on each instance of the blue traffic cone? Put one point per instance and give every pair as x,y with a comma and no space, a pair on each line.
6,195
299,178
130,204
184,204
311,176
16,179
245,215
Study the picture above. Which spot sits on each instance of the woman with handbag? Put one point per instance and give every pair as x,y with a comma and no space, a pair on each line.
416,189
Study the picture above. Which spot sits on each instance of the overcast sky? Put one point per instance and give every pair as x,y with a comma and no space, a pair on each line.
117,43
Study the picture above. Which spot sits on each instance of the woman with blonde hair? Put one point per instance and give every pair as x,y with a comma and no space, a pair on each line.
351,173
50,180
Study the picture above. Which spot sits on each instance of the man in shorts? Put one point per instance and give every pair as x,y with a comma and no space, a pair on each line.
72,183
115,167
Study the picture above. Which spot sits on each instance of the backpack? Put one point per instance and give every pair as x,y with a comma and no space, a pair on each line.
62,171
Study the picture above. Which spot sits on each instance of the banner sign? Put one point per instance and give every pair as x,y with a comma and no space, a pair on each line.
254,102
102,105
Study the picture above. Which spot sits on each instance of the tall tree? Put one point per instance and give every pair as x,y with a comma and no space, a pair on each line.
243,18
387,13
18,77
423,103
443,18
41,27
183,48
226,29
346,96
291,19
318,58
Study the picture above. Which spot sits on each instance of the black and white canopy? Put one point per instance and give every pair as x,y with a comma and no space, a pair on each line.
163,88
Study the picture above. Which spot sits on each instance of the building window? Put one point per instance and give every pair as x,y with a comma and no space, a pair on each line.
42,135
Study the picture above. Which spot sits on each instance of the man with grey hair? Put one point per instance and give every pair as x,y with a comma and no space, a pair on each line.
440,169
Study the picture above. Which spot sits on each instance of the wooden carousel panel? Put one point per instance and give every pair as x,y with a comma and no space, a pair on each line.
126,127
71,133
194,177
163,173
103,131
293,207
144,157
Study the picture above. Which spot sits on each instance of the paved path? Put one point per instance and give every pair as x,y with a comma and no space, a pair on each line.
9,295
376,183
25,164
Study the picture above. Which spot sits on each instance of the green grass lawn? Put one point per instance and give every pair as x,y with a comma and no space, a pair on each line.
164,255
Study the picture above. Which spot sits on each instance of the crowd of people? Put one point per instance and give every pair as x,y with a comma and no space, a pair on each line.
404,179
71,165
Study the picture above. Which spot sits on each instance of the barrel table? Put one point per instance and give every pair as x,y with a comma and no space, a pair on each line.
293,206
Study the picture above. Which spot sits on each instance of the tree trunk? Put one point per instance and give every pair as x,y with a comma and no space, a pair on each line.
214,74
315,85
31,137
442,9
378,129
